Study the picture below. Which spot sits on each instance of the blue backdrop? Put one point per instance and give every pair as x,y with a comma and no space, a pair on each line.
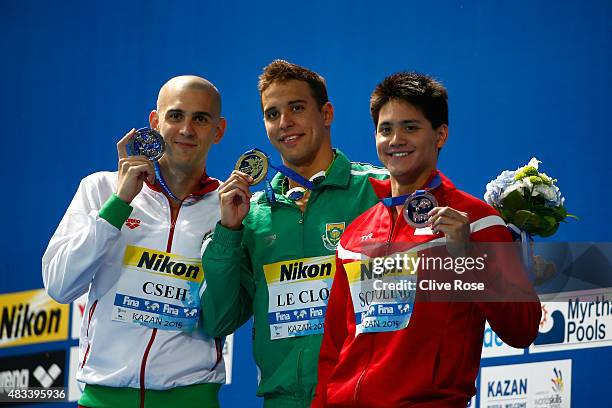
525,78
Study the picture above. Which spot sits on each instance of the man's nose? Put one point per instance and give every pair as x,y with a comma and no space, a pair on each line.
286,120
187,128
395,139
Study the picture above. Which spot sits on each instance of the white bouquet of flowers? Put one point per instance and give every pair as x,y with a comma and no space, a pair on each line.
528,199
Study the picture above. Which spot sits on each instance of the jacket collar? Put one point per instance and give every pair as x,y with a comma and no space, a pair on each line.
338,175
207,184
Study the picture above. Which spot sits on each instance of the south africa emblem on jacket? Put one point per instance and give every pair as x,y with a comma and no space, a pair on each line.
333,232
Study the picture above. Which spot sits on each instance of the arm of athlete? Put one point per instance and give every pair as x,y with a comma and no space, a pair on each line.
90,227
228,296
515,322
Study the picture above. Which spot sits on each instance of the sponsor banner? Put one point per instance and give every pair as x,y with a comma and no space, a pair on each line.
534,385
78,310
381,308
228,352
31,317
298,291
158,290
493,346
472,402
40,370
75,388
574,320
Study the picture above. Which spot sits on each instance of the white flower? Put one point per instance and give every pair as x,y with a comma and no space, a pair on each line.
527,183
517,185
534,162
496,187
551,194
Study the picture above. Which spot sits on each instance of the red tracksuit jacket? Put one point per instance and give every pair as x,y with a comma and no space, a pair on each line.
434,361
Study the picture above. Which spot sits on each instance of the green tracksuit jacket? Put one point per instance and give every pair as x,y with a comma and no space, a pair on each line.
277,268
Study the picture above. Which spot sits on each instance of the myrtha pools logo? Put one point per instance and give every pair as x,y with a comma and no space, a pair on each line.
574,323
552,327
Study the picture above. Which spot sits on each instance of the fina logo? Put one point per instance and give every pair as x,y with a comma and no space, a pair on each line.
552,328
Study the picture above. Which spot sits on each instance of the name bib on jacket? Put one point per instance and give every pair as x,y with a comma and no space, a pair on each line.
298,291
382,299
158,290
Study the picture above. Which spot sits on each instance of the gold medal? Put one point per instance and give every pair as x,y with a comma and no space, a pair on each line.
254,163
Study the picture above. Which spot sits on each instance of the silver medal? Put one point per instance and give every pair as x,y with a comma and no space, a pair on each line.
417,207
147,142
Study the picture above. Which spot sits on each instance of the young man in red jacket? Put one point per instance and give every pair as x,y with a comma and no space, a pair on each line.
381,348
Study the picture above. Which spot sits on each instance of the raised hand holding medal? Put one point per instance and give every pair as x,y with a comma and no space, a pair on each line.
139,151
132,170
151,144
420,209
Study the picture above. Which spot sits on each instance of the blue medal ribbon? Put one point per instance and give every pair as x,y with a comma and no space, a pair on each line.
286,171
159,177
400,200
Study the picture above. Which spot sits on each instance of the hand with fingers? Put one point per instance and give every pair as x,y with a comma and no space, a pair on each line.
454,224
133,171
234,198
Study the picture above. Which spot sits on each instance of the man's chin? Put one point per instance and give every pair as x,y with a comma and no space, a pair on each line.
294,158
185,164
404,176
400,174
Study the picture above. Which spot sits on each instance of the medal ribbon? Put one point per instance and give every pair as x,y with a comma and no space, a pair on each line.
400,200
162,182
286,171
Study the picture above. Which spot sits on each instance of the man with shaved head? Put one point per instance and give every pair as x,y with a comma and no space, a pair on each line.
132,241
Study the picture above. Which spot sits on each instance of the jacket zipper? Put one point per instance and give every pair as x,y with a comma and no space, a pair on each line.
394,223
363,372
388,246
143,364
89,317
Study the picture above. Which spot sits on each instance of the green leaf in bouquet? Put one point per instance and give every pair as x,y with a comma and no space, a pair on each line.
526,220
507,215
514,202
550,231
560,213
542,209
539,203
546,221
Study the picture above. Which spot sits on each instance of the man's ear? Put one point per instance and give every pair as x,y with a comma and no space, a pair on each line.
220,130
441,135
154,119
328,114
